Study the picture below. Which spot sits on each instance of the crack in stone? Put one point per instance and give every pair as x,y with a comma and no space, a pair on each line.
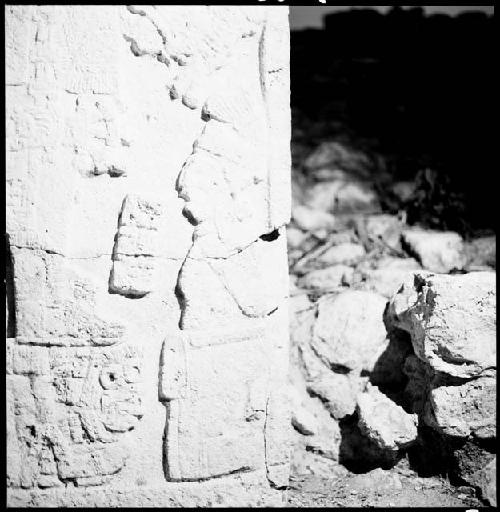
265,437
50,251
10,290
133,10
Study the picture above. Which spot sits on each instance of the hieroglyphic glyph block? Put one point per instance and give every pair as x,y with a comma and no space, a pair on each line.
148,188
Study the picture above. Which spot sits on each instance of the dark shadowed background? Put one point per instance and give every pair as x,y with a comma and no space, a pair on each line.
312,16
413,87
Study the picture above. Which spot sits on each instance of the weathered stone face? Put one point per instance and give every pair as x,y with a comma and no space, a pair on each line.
148,186
451,320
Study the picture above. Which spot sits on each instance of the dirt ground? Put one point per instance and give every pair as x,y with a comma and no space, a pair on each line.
397,487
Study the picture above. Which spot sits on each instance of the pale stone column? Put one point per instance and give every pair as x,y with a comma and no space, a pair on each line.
148,186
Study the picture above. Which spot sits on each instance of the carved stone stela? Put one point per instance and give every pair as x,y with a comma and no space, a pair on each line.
148,189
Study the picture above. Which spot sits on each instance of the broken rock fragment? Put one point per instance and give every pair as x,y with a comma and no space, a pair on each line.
481,253
485,479
466,409
388,274
438,251
384,422
335,155
451,320
344,253
349,331
327,278
312,220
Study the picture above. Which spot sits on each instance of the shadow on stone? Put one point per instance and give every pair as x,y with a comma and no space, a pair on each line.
430,455
387,373
359,454
10,291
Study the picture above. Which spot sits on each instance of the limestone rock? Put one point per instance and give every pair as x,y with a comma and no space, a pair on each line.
308,219
301,325
486,481
298,303
345,253
356,196
438,251
384,422
465,409
321,196
327,278
349,331
304,421
336,391
451,320
389,274
328,174
384,228
326,441
475,465
481,252
341,196
336,155
403,190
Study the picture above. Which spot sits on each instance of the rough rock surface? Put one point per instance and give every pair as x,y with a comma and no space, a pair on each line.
452,376
486,480
385,228
344,253
327,278
384,422
312,220
349,331
427,374
451,320
147,186
336,156
388,275
465,409
481,252
342,196
438,251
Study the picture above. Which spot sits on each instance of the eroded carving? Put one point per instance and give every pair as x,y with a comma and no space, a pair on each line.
75,397
69,408
58,302
137,244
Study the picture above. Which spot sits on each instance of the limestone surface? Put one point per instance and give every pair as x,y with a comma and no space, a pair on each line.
451,320
438,251
465,409
327,278
486,481
312,220
388,274
344,253
147,193
349,331
383,421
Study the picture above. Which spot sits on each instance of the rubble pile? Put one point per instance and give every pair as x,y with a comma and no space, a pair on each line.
393,333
